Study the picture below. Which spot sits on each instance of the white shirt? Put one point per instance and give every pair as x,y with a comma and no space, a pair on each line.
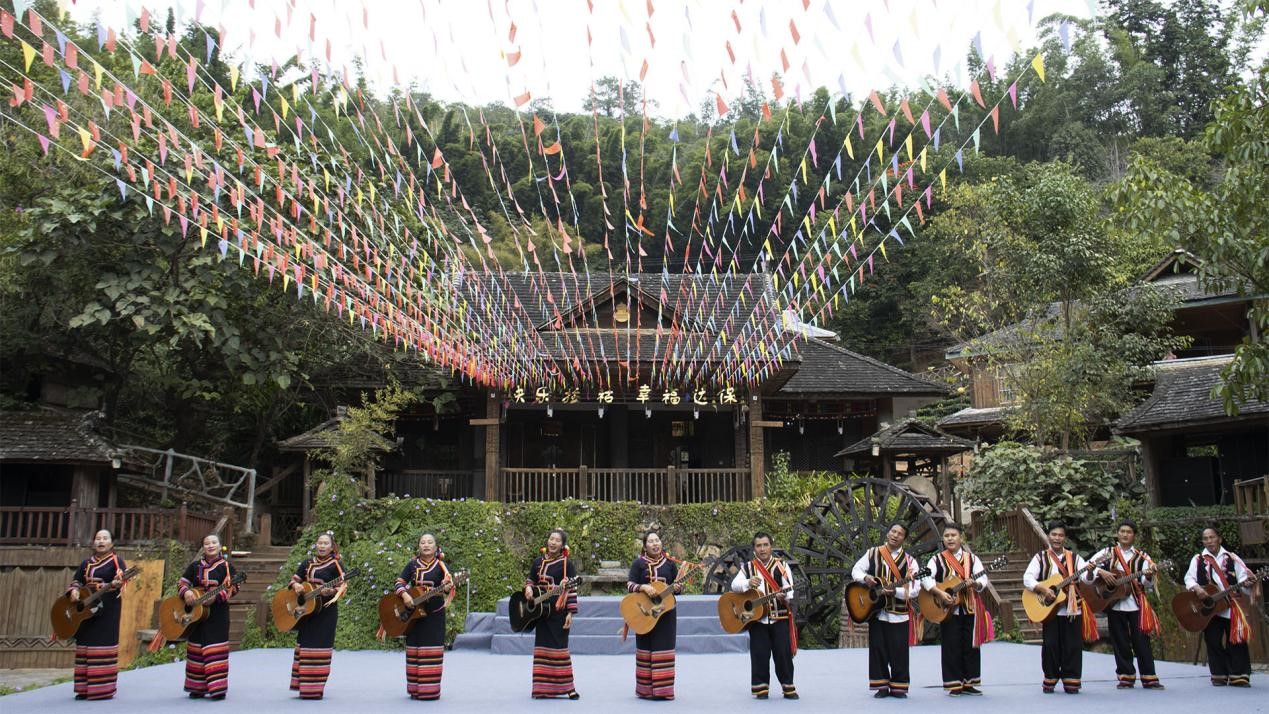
740,584
1128,604
1032,577
907,592
1241,573
975,566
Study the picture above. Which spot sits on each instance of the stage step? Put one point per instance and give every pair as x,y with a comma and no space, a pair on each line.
597,629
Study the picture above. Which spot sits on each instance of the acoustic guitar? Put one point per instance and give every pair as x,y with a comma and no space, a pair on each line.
525,613
176,618
642,611
736,611
863,601
1040,609
1100,594
933,607
290,607
67,614
397,618
1194,611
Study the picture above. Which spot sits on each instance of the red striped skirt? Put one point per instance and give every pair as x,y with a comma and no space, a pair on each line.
309,669
207,669
423,666
654,674
96,671
552,672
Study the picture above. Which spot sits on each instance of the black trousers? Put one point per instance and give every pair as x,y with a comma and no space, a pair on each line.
769,642
962,662
1228,663
1128,639
888,655
1062,655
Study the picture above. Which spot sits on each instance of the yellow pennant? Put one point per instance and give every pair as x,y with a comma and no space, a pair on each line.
233,78
202,236
881,151
943,178
28,54
923,153
908,145
98,71
850,150
1038,65
286,107
85,137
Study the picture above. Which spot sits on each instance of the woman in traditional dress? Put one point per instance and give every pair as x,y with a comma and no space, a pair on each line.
97,641
654,652
425,640
552,664
207,646
316,641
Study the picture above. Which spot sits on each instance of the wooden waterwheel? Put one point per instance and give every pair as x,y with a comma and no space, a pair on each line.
835,530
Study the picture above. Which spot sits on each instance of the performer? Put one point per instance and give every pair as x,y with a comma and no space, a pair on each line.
1132,620
207,646
969,624
97,641
552,664
1062,654
425,640
654,652
774,637
316,640
892,630
1228,657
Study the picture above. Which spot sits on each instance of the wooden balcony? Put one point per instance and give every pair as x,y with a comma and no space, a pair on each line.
75,526
649,486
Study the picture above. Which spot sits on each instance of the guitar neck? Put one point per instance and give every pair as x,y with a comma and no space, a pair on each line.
957,588
92,600
436,591
770,597
552,593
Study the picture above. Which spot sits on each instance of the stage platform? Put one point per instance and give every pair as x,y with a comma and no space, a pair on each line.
828,680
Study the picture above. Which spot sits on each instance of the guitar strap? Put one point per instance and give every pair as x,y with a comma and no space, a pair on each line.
772,587
1147,620
984,625
1239,630
916,623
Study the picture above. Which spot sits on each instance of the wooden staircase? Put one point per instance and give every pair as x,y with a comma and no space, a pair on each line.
1008,585
261,566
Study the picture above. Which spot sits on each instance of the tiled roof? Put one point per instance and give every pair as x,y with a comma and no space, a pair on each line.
1183,397
910,436
319,437
53,437
970,416
827,368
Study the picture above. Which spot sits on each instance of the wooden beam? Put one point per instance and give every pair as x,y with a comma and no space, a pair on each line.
757,451
766,423
493,447
483,422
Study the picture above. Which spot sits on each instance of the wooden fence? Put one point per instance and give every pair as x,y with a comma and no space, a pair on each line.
1024,531
426,483
69,526
648,486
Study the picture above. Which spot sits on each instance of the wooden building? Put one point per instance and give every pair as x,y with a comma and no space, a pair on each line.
632,438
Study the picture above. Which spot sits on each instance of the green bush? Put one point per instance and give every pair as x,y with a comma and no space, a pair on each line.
1053,487
1175,532
497,543
799,487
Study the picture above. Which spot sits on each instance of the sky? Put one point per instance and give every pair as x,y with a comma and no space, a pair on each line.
685,51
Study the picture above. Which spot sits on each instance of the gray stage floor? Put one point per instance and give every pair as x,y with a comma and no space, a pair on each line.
828,680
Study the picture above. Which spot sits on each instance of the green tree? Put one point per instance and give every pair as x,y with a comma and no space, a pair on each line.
1226,226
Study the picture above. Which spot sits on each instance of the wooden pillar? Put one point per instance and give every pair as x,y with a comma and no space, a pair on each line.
947,484
370,481
741,442
757,451
493,447
306,495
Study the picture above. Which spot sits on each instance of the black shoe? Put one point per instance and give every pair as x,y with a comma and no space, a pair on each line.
972,691
1240,684
1072,691
574,695
196,695
791,695
217,697
81,697
764,695
955,692
881,694
899,695
1153,685
1124,685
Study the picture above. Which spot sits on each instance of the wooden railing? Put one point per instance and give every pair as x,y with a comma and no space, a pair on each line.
650,486
20,525
1251,497
427,483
